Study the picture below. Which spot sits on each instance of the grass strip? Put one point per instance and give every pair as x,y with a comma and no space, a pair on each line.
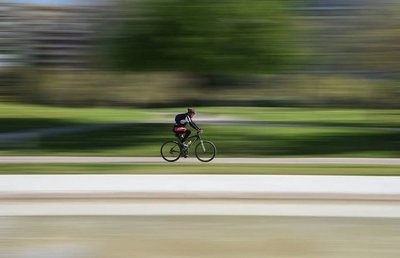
200,168
232,141
18,117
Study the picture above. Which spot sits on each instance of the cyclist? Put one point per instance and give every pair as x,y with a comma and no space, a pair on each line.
180,130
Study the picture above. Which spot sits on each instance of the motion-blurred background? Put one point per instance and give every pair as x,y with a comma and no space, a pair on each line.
323,73
291,78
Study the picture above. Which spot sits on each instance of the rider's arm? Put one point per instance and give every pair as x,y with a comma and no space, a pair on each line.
193,124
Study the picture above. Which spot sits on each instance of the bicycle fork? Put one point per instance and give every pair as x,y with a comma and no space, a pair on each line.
202,145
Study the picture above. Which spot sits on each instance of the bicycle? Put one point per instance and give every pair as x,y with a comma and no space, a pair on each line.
205,151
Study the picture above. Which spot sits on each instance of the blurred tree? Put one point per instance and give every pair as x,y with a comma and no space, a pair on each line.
203,37
378,40
363,39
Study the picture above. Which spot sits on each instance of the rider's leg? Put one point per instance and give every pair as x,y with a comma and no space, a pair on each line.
186,135
185,146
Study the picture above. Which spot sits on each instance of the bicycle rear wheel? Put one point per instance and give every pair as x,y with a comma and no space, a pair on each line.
205,151
170,151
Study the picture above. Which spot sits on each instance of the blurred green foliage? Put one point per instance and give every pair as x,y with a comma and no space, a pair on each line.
201,36
168,89
229,53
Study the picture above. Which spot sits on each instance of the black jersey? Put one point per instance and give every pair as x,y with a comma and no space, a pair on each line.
182,120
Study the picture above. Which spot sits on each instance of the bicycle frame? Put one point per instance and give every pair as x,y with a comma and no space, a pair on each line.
193,139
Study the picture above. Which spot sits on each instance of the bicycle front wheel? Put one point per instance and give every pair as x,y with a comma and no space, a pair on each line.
205,151
170,151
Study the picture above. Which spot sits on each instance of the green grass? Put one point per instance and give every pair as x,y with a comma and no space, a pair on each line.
200,168
312,116
231,141
17,117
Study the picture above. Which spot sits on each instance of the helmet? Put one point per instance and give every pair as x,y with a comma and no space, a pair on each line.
191,111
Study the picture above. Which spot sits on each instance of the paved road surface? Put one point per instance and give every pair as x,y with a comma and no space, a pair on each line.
239,195
235,216
199,216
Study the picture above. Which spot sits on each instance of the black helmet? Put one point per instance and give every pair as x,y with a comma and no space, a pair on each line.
191,111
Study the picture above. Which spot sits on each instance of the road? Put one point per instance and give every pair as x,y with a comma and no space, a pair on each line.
234,195
199,216
67,159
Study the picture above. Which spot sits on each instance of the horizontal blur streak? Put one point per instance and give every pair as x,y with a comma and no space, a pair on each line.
197,237
151,52
236,131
